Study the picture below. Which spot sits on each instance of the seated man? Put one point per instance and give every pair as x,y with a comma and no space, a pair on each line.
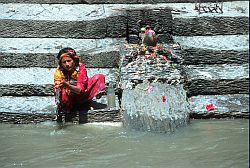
74,89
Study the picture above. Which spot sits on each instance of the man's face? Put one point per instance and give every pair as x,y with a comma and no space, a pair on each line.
67,63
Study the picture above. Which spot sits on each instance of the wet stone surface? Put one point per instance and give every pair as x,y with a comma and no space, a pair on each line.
153,95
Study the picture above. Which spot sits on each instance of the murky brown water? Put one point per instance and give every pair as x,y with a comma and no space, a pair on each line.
203,144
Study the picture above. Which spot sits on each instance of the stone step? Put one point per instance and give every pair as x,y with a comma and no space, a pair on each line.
35,89
205,26
105,1
218,42
220,49
232,105
68,21
82,1
106,20
35,109
217,79
43,104
88,21
39,81
189,22
45,75
42,52
28,118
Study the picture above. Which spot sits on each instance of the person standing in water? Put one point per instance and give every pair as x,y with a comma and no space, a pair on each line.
73,88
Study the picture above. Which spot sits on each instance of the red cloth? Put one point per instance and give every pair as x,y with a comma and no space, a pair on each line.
90,87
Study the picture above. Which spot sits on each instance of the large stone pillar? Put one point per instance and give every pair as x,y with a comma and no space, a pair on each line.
156,107
153,98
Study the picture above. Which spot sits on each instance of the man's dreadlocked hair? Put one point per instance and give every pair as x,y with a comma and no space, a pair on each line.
71,53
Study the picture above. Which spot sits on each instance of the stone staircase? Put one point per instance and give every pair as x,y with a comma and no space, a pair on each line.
214,48
32,35
215,52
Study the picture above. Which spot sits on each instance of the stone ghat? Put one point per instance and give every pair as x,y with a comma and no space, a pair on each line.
32,32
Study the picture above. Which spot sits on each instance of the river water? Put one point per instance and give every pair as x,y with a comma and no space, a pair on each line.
202,144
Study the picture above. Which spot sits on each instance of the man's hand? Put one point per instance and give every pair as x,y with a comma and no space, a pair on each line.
57,84
65,83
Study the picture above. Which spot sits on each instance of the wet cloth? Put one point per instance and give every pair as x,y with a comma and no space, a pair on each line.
90,87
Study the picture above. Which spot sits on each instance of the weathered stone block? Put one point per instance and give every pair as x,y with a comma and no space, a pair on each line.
148,111
42,52
196,56
217,43
38,81
165,38
60,29
198,26
227,105
27,90
106,1
220,87
27,118
105,58
116,25
43,60
46,105
159,19
220,79
133,39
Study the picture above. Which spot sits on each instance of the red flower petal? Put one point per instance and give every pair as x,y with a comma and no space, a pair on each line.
163,98
209,107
